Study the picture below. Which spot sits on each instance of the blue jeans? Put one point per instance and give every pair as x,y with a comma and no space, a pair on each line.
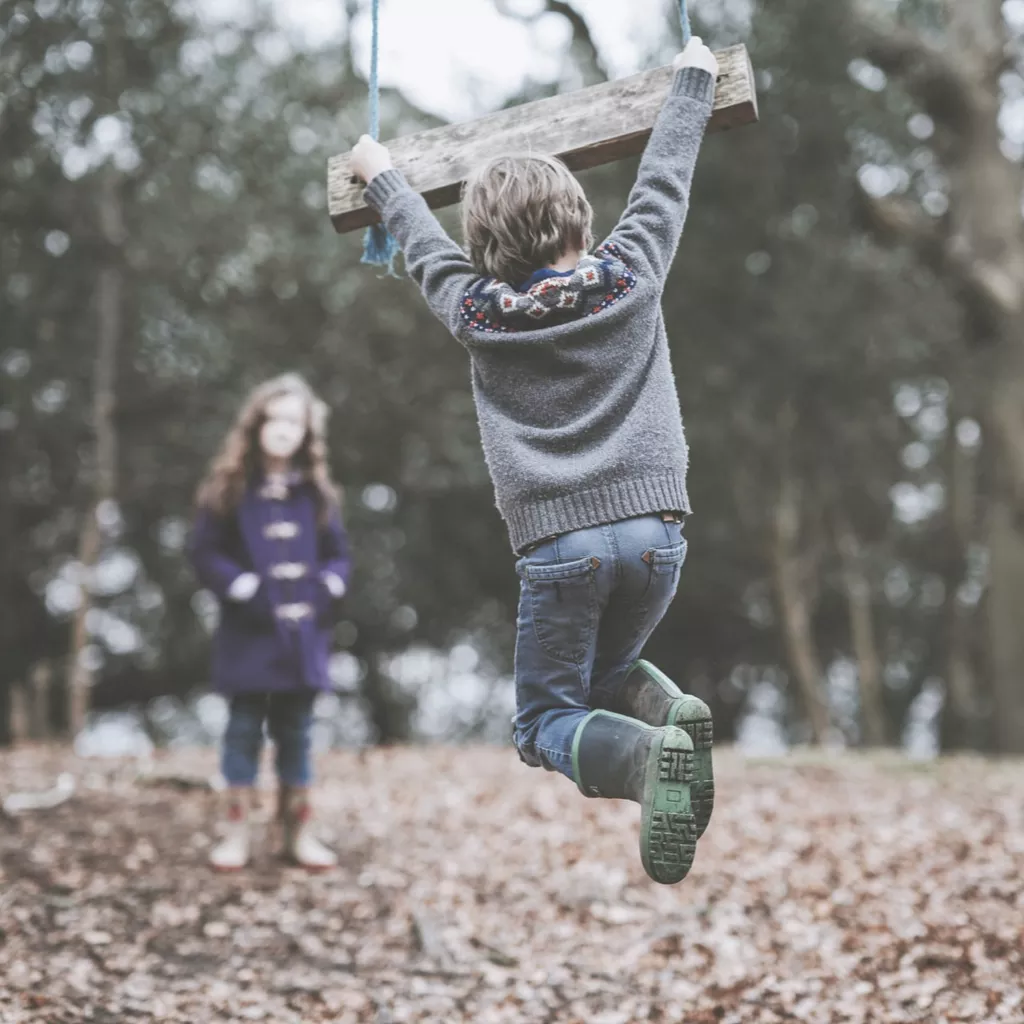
289,720
589,601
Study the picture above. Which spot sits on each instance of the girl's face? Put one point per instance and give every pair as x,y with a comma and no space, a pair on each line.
284,427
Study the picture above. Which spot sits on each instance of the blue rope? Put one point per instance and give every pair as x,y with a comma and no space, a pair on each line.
375,72
684,20
379,248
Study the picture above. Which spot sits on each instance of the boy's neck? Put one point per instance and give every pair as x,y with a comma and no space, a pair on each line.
568,261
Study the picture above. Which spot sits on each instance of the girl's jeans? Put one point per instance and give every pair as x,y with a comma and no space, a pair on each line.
589,601
289,720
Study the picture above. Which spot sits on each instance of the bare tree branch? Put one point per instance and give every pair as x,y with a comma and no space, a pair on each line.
988,288
896,220
583,44
928,72
347,56
977,29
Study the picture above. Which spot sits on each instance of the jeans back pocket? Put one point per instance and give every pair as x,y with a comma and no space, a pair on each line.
665,567
667,561
563,606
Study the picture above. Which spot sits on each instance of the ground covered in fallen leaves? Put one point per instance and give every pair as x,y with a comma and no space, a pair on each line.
475,889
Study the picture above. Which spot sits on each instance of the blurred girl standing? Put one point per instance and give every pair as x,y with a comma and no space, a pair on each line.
269,543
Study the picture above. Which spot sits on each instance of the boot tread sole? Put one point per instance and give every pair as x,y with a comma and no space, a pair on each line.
668,836
702,732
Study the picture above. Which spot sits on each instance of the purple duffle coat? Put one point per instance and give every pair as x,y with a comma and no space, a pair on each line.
280,539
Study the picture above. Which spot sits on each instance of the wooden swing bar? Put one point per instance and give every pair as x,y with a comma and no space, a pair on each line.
588,128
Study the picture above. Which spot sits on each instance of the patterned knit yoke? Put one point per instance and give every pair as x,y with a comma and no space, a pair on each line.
599,281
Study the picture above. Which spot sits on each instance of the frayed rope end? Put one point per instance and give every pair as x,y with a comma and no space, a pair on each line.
380,249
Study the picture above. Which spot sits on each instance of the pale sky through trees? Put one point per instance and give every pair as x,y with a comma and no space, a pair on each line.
462,58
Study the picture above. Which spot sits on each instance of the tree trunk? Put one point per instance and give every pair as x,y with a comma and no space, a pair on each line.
794,605
79,679
20,727
962,721
109,309
40,682
980,248
8,685
1005,607
390,711
987,188
1006,547
862,634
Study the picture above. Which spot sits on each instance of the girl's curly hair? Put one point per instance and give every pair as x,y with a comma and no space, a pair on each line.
239,460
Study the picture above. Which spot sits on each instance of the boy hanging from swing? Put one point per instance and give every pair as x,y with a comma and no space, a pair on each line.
582,431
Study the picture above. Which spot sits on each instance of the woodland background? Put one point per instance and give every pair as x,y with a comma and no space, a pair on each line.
847,322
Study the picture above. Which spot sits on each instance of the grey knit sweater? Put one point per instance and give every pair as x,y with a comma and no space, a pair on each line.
573,383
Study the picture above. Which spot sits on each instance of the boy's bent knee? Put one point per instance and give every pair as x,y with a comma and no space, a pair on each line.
525,749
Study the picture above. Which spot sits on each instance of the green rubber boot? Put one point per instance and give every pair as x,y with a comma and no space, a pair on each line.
622,759
648,695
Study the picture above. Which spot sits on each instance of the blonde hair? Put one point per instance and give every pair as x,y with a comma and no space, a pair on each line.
238,461
522,213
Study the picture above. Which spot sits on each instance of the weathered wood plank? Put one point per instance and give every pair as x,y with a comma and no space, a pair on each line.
594,126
